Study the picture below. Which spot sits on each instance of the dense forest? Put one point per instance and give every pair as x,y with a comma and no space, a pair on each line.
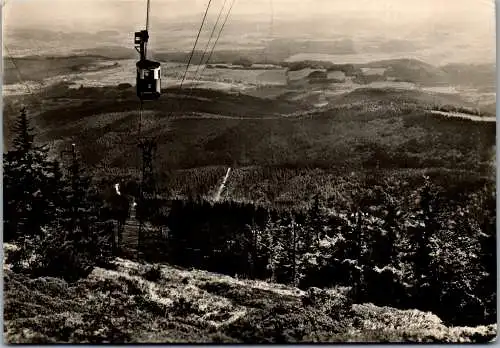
424,242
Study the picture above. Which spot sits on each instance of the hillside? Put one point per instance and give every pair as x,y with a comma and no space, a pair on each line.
411,70
398,95
218,128
481,75
364,129
139,303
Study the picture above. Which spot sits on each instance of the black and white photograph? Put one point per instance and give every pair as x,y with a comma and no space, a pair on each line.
249,171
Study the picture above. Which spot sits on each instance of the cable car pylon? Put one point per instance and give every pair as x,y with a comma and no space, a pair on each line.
148,86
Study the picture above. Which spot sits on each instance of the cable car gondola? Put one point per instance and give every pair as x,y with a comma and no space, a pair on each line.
148,82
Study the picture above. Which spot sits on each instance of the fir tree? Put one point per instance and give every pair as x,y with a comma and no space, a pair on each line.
286,257
73,241
28,204
80,204
316,224
23,140
270,238
424,232
252,246
488,257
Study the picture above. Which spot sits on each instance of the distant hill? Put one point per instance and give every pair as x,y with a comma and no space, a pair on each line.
409,63
490,108
413,70
38,68
391,95
479,75
110,52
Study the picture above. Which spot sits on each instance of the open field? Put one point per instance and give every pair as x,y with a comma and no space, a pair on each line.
469,86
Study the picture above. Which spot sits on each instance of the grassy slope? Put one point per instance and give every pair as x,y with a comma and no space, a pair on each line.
131,303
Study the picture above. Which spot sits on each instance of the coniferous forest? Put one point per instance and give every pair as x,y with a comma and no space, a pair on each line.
407,242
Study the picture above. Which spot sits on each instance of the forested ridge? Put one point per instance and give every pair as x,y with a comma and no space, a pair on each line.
411,241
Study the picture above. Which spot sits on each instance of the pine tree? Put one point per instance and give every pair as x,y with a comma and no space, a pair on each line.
381,229
269,238
55,188
423,234
293,250
23,140
391,228
286,256
79,202
252,247
27,196
73,241
316,222
280,266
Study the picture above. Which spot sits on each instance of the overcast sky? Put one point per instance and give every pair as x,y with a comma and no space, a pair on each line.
456,30
108,12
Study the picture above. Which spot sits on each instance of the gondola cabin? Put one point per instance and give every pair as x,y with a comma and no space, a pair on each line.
148,80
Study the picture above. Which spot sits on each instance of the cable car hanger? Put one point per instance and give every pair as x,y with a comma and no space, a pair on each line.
148,81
